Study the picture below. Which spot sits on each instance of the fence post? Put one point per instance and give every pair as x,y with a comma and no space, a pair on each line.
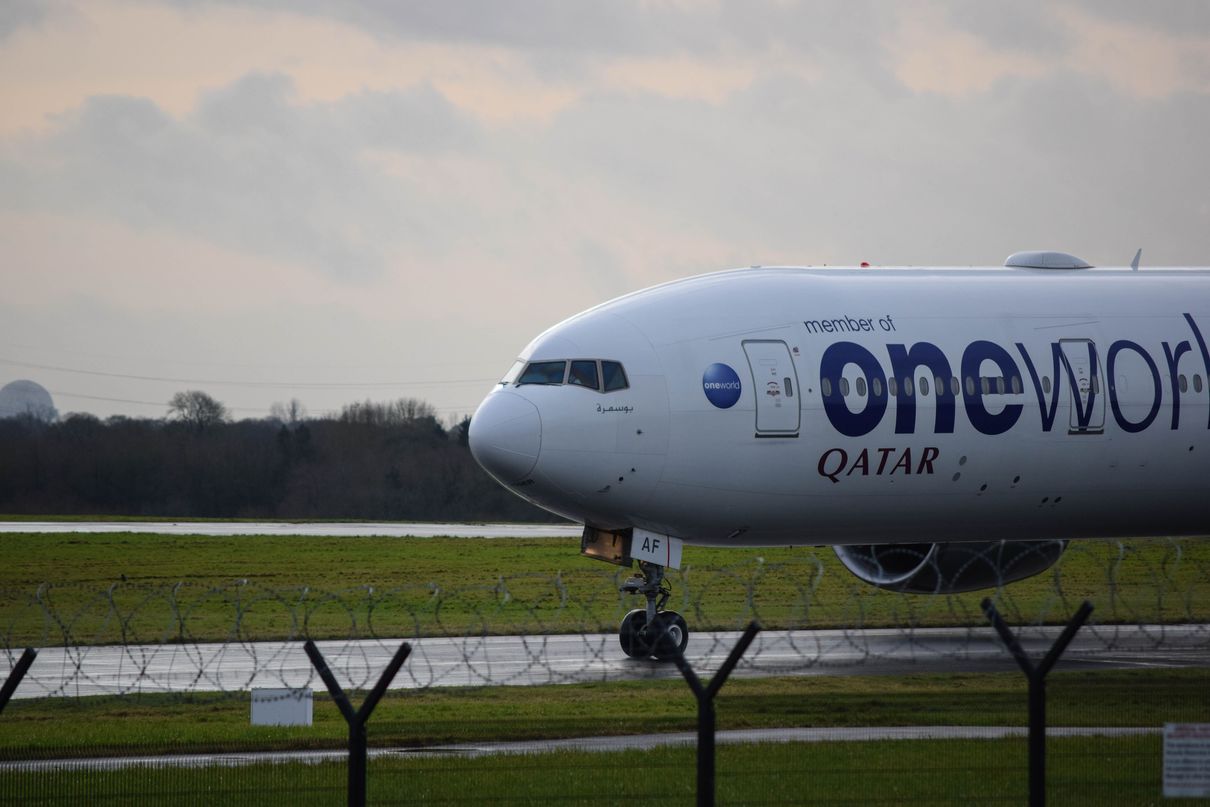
1036,676
356,719
705,711
14,678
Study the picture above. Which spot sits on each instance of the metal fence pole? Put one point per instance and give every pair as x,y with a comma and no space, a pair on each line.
358,746
705,712
14,678
1036,676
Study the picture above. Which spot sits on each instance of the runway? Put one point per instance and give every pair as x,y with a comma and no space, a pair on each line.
561,659
310,529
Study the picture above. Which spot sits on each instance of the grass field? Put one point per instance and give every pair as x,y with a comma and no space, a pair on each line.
1096,771
104,519
145,724
65,588
124,587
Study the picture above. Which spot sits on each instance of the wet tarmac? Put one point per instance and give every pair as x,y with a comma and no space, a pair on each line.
464,661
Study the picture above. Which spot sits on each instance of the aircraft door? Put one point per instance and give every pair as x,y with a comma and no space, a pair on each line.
1088,393
775,382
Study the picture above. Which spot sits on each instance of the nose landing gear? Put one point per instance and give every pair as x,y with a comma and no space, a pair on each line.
652,631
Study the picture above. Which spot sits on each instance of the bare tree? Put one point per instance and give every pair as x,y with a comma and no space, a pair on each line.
288,414
390,413
197,409
413,409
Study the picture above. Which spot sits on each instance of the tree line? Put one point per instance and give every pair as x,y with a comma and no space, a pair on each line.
391,461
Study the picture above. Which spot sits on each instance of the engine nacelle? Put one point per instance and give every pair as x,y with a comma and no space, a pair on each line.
949,568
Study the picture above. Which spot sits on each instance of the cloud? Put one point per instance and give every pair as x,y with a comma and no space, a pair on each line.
253,169
1178,17
525,24
791,170
570,41
18,14
1027,27
355,180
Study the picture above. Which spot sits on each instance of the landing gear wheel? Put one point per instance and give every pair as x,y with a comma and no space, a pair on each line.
633,634
652,631
668,635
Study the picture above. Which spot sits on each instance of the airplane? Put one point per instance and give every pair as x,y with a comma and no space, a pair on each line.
943,429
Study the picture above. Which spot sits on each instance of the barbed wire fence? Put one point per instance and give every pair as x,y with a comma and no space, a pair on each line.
124,638
536,629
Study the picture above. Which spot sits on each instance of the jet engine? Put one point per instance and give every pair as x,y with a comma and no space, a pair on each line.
949,568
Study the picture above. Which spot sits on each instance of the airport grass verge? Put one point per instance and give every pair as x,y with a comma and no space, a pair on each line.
132,725
65,588
18,518
1081,771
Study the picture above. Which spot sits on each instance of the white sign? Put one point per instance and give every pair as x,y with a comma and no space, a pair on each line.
655,548
1186,760
281,707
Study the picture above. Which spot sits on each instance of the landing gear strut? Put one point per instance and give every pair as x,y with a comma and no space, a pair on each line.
652,631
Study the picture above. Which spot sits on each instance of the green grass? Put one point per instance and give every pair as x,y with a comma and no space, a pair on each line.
111,519
138,724
1081,771
71,519
125,587
70,588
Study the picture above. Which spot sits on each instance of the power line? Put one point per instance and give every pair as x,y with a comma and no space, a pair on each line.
176,360
263,384
160,404
164,404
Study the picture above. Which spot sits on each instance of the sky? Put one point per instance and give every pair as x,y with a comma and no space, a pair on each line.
339,201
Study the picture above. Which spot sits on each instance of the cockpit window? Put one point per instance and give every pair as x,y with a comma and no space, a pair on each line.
606,376
584,374
614,376
513,372
543,372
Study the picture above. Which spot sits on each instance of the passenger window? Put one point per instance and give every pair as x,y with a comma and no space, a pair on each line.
1016,385
861,386
1184,382
844,387
583,374
970,386
907,387
1000,384
826,385
613,375
985,384
940,384
543,372
924,385
876,388
892,387
1197,382
954,387
1046,384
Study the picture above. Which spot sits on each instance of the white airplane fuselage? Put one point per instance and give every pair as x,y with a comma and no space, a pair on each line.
812,406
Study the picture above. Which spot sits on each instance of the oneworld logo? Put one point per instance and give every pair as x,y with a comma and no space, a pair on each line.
1086,377
721,385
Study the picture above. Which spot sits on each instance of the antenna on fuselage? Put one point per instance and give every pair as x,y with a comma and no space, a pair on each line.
1135,263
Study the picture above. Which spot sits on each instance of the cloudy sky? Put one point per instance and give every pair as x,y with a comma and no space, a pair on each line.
340,200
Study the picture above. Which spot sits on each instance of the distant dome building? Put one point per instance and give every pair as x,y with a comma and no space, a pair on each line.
27,398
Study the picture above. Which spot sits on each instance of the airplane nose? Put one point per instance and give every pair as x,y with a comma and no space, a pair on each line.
505,436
